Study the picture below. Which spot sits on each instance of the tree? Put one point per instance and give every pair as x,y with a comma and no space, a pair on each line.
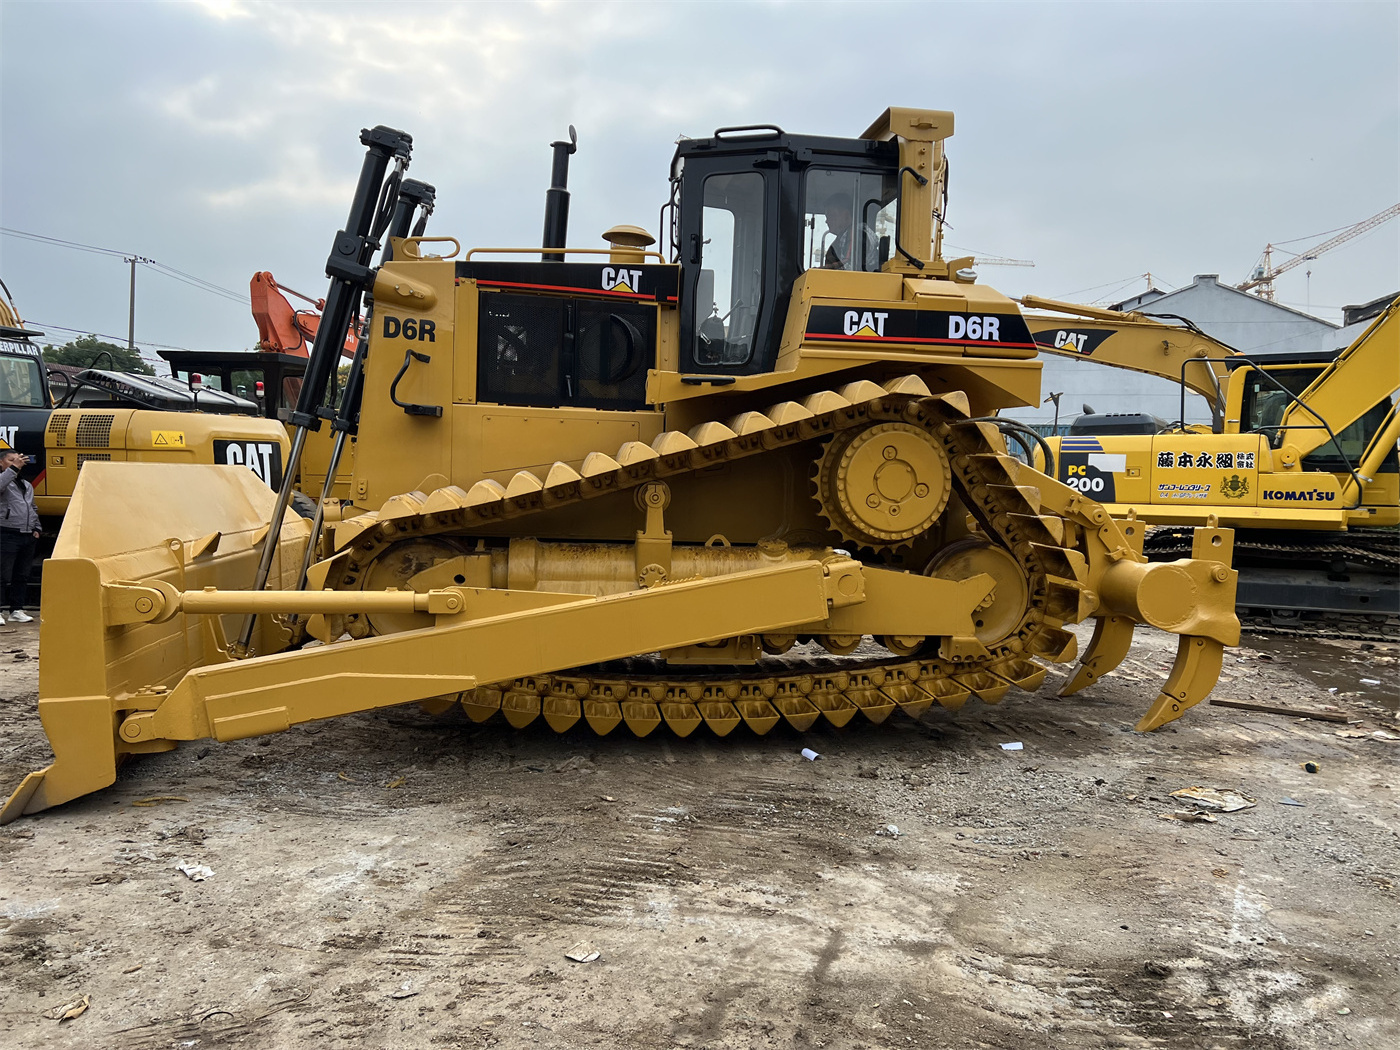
84,351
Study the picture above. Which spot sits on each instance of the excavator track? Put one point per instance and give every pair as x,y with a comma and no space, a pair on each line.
1365,550
1377,549
801,691
1350,629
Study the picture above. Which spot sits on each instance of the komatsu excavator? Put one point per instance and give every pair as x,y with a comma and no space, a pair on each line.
1300,458
754,477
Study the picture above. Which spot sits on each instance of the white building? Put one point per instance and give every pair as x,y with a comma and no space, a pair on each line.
1248,323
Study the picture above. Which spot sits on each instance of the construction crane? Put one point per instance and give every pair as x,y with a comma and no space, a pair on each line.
991,260
1263,276
996,260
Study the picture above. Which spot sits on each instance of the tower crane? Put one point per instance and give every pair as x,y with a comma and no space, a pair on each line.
991,260
997,260
1263,276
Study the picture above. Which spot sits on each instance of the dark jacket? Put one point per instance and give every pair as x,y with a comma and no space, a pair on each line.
17,503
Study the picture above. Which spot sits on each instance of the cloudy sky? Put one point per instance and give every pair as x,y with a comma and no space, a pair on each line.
1101,141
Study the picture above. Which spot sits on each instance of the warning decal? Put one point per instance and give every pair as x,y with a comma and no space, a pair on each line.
168,438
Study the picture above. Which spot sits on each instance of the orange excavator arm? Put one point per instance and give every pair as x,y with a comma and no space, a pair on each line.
283,328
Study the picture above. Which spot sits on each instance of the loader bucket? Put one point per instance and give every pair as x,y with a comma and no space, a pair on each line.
188,526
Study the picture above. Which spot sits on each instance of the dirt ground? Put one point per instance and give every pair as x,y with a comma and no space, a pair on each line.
391,880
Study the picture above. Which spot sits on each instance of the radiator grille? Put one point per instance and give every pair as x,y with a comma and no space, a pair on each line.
58,429
94,431
83,457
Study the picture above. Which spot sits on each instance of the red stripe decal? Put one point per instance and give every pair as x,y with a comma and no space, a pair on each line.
572,288
911,339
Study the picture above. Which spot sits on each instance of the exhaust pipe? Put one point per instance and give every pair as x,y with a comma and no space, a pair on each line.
556,199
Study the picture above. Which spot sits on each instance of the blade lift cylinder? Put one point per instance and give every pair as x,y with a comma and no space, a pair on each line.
350,274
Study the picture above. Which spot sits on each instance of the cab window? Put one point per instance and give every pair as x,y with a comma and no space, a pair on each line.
730,291
1265,405
849,219
21,385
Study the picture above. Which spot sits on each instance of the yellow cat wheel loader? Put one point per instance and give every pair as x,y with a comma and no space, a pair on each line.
757,476
107,416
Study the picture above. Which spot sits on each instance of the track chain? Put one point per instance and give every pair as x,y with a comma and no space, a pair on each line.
1376,550
984,477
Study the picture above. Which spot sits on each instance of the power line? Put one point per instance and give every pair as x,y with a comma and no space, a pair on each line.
60,242
1118,290
117,339
1112,284
168,271
197,282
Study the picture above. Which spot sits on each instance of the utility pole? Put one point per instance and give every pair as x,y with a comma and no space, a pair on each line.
1055,397
131,310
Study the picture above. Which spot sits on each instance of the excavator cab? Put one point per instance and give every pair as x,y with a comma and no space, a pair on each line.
1267,391
751,209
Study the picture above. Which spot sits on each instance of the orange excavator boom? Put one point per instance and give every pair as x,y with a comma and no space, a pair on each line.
281,327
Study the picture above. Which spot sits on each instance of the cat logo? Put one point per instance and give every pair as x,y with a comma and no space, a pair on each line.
7,438
1234,487
263,458
1078,340
870,324
620,279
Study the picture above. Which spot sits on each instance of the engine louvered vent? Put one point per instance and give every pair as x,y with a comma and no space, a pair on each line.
83,457
57,430
94,431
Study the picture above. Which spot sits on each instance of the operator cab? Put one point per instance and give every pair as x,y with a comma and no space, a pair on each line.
751,209
1266,397
24,395
267,380
21,375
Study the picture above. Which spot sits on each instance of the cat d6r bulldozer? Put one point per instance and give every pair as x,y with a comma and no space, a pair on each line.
755,476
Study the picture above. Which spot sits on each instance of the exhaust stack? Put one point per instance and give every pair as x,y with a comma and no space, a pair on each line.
556,199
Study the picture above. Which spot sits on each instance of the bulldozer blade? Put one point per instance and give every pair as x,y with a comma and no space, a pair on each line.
205,534
80,734
141,607
1193,676
1113,637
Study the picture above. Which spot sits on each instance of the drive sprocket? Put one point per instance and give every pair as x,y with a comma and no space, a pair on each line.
883,485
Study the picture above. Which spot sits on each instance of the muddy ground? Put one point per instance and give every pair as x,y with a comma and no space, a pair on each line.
389,880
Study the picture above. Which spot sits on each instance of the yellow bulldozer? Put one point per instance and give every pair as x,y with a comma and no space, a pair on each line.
755,476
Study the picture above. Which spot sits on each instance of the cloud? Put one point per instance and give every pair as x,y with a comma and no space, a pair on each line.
297,181
223,10
1102,141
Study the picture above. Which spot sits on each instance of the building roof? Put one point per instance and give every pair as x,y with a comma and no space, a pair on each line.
1365,311
1248,323
1210,282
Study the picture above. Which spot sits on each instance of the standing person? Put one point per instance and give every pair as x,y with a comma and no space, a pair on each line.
19,533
